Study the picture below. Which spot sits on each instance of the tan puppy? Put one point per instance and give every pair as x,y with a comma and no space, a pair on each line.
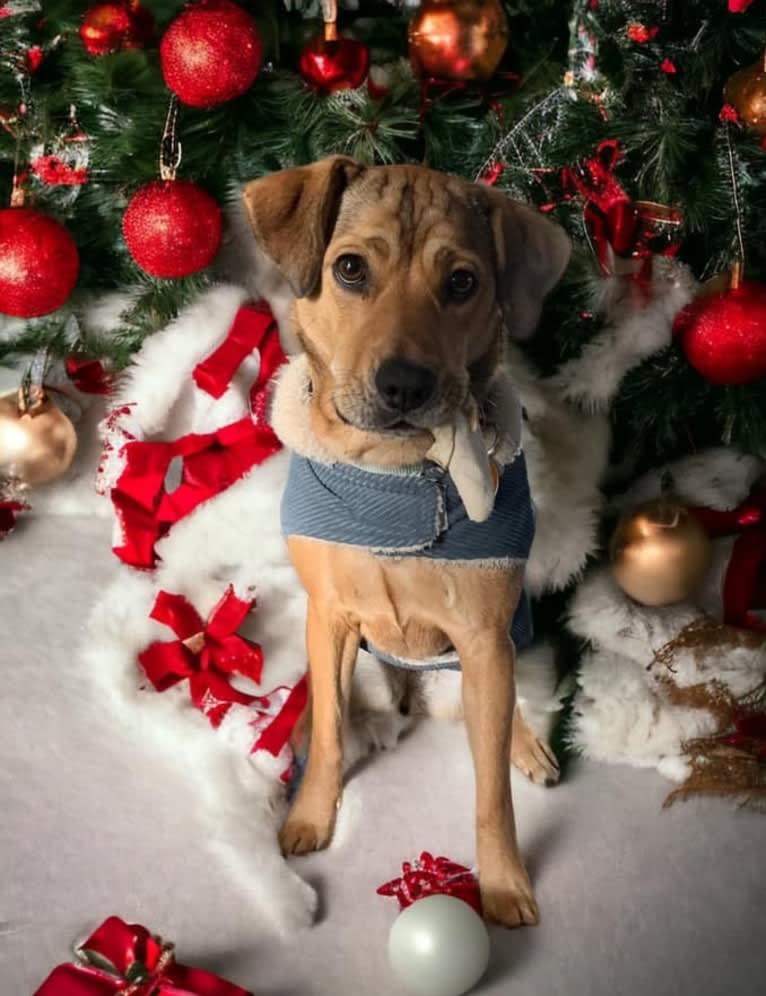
405,283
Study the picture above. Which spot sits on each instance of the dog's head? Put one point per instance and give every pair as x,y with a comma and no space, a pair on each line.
404,279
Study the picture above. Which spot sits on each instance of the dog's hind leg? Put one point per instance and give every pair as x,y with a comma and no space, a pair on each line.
332,649
530,753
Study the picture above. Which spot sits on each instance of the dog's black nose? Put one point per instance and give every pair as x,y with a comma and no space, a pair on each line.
404,386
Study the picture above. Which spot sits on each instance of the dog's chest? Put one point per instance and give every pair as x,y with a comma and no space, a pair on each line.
408,607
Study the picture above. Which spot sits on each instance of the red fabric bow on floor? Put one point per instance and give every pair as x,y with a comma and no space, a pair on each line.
124,959
206,654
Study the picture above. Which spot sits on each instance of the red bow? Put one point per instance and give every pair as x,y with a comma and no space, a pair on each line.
205,653
615,223
744,586
125,959
609,214
211,463
428,876
8,512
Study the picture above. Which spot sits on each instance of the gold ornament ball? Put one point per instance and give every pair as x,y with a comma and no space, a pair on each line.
746,92
458,39
659,553
35,446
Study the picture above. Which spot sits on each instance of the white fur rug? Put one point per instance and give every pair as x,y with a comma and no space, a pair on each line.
99,818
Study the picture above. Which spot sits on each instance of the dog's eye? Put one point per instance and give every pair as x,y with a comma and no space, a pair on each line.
461,284
350,269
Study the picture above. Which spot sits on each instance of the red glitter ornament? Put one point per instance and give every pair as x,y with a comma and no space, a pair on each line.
327,65
112,27
39,263
172,228
724,334
211,53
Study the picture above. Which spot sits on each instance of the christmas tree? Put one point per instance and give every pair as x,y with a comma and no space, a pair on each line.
638,126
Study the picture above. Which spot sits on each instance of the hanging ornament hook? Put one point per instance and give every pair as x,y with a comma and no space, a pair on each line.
330,18
170,147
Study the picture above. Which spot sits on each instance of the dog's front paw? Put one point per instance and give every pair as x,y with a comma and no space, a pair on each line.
304,831
509,901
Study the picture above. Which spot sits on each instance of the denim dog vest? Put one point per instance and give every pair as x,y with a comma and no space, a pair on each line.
412,514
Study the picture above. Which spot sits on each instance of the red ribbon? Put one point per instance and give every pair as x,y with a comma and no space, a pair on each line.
124,958
253,328
277,733
205,653
8,512
428,876
744,586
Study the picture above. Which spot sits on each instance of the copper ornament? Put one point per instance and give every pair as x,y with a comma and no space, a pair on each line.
659,553
458,39
746,92
37,444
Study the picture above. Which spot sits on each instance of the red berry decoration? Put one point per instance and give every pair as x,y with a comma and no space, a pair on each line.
172,228
39,263
211,53
724,335
112,27
337,64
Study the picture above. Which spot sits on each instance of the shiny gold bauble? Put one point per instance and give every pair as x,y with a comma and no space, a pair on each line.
36,446
659,553
458,39
746,92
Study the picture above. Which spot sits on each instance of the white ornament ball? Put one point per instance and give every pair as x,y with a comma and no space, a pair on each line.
439,946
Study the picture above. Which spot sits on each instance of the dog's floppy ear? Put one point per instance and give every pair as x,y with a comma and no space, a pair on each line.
293,213
531,253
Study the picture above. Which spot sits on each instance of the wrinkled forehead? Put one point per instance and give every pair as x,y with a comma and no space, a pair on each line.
403,213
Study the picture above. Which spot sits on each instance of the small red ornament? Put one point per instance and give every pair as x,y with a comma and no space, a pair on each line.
724,334
35,56
112,27
640,33
39,263
172,228
211,53
327,65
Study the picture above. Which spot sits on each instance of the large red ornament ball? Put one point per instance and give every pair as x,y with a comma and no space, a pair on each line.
112,27
211,53
39,263
339,64
724,335
172,228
